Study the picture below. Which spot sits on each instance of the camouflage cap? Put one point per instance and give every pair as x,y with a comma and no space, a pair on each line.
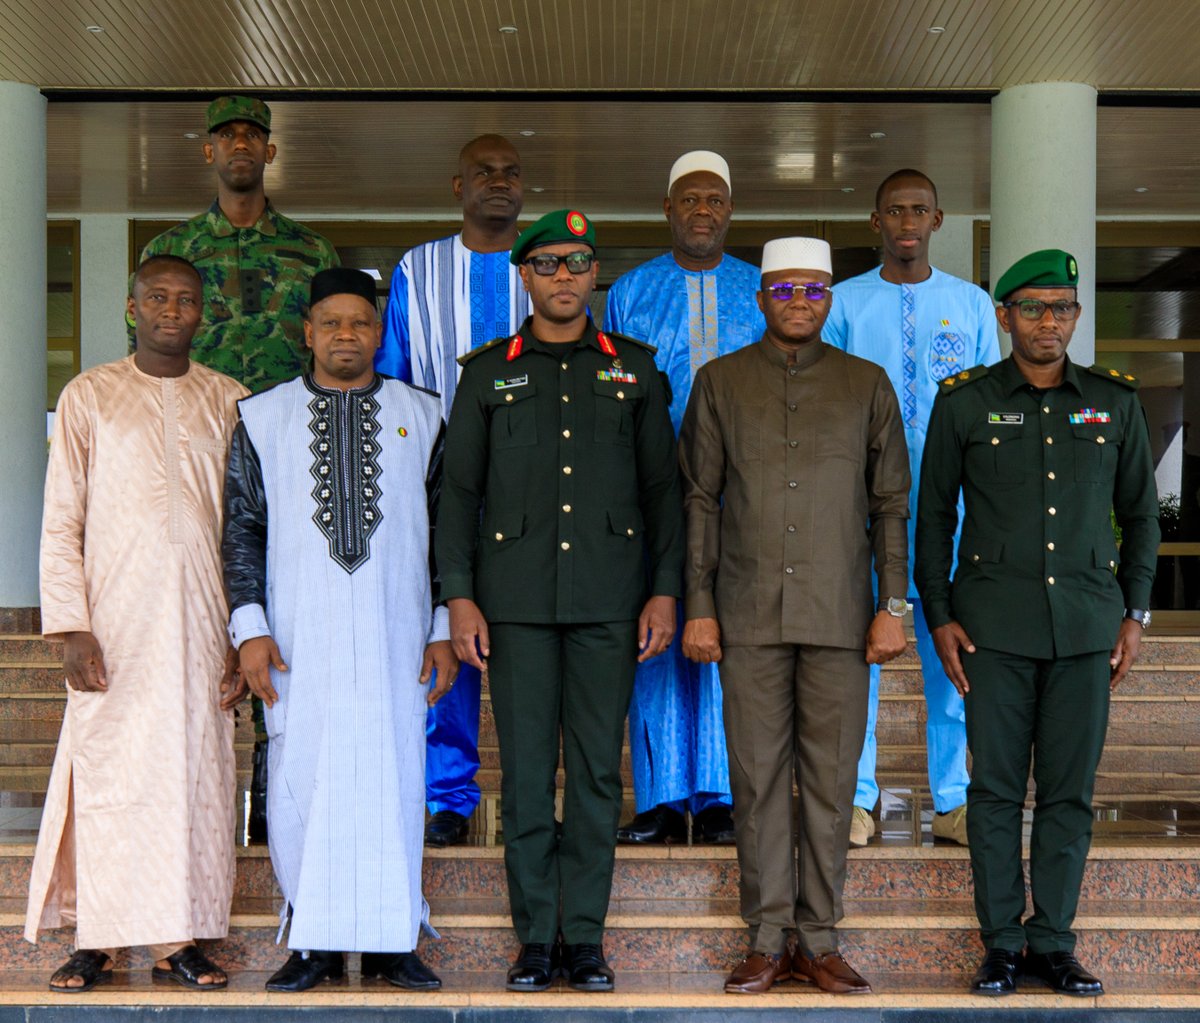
559,226
224,109
1046,268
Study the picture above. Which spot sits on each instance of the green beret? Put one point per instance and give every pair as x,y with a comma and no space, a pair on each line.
224,109
559,226
1046,268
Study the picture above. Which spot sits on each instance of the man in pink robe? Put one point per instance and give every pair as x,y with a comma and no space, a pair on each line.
136,842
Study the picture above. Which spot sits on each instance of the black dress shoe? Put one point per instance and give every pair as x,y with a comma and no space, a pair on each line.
585,967
446,828
662,824
531,971
714,826
997,974
403,969
300,973
1061,970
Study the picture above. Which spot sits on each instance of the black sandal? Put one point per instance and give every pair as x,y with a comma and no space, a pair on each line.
188,965
88,965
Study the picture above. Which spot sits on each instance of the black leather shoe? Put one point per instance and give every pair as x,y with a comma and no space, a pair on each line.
1061,970
403,969
998,973
714,826
445,828
531,971
300,973
585,967
662,824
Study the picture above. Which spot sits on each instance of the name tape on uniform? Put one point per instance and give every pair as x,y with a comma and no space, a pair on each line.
503,383
1006,418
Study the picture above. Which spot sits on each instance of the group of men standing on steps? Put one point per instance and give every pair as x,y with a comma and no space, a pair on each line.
563,571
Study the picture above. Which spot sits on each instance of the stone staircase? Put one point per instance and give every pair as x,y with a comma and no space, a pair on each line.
674,928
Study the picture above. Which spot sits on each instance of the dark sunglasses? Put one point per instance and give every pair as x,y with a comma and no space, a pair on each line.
546,265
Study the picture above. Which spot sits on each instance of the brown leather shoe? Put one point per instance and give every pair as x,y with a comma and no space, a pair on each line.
757,973
830,972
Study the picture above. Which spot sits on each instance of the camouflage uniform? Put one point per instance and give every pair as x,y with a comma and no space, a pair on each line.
255,291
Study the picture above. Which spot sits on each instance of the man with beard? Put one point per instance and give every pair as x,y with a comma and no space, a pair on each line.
561,447
256,265
448,297
693,304
922,326
795,480
1044,617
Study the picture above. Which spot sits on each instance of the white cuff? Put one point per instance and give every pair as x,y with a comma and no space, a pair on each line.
248,622
439,628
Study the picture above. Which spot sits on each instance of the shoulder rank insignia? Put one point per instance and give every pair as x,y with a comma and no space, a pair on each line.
633,341
514,348
474,352
606,345
1116,376
967,376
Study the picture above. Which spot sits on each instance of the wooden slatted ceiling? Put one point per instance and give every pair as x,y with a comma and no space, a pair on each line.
353,158
599,44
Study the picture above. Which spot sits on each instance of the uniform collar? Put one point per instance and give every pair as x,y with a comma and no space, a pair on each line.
590,339
1012,380
220,226
806,356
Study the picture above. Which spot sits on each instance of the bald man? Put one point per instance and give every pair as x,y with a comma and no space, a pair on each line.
448,297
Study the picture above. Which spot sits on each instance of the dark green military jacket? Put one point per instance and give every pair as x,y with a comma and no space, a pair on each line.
1039,573
560,497
255,291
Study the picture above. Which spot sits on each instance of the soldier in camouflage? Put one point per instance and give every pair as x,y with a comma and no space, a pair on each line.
256,263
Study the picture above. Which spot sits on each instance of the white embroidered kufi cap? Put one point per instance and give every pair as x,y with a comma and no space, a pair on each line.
796,254
700,160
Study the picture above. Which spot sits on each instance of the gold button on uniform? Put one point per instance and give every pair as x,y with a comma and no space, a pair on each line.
1045,408
1099,440
1052,511
563,364
508,397
565,546
974,557
567,508
1050,475
620,394
629,532
566,398
1049,440
995,440
499,536
566,433
567,472
1050,546
1050,580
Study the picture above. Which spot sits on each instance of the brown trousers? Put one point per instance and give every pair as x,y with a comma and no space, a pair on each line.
802,711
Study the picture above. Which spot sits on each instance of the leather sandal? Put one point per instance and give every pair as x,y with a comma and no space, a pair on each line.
188,965
88,965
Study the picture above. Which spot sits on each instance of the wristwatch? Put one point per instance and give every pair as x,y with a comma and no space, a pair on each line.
897,607
1138,615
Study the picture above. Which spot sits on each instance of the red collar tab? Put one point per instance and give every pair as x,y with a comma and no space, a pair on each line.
606,345
514,348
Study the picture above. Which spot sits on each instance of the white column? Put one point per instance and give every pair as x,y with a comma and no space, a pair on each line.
104,281
22,339
952,247
1044,186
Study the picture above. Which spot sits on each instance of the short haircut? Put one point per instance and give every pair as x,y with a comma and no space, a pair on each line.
905,172
163,261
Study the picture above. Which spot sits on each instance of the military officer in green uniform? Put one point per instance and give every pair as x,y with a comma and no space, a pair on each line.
255,262
560,551
256,266
1045,614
